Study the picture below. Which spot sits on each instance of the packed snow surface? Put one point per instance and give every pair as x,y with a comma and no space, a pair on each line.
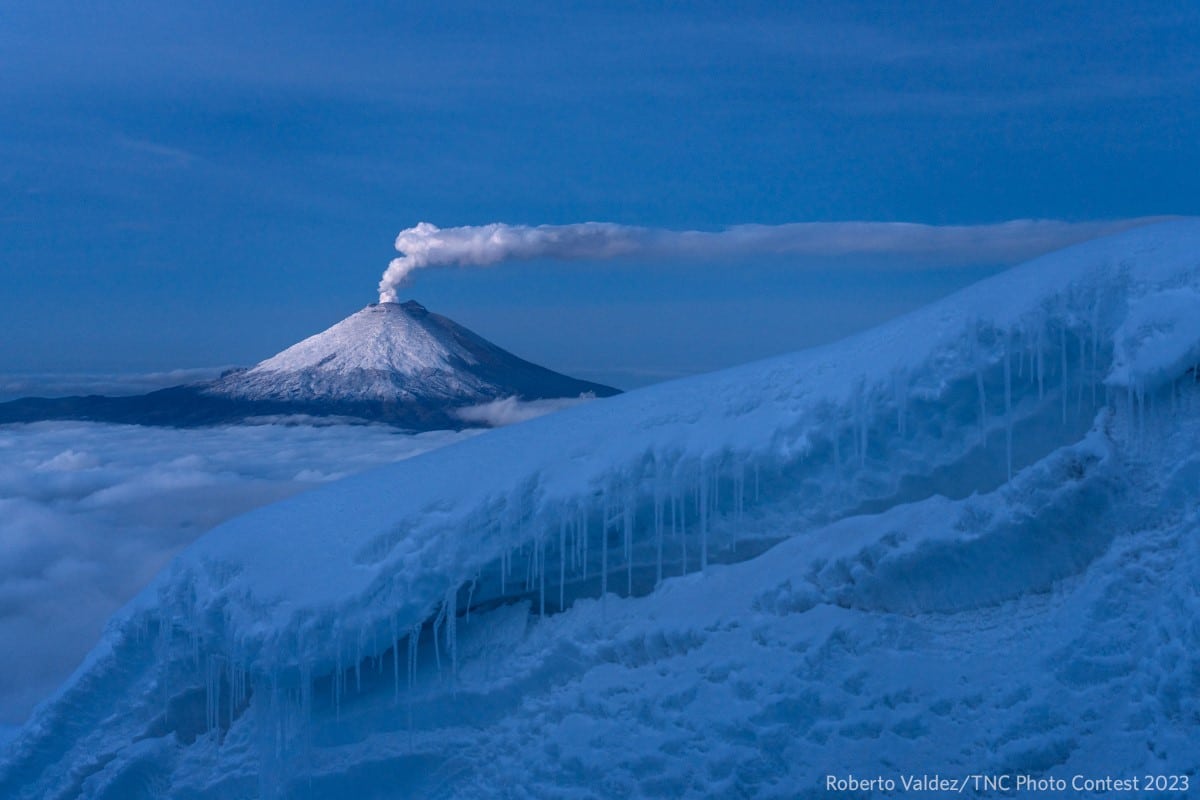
965,541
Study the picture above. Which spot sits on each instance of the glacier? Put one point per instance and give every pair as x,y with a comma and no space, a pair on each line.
965,541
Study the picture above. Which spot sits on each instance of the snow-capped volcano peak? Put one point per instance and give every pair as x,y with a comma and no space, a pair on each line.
396,352
390,337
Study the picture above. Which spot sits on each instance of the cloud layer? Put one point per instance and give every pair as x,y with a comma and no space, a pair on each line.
89,513
511,410
425,245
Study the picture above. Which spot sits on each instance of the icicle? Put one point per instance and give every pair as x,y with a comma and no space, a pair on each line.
1141,413
337,680
900,392
572,539
585,542
627,518
395,660
1082,375
208,695
982,401
577,565
1008,421
716,494
1021,353
562,565
581,540
1063,349
235,690
218,674
437,652
530,567
541,569
683,530
306,691
414,641
658,536
231,672
1095,373
860,417
837,453
739,489
451,607
358,664
703,520
1041,367
864,434
604,553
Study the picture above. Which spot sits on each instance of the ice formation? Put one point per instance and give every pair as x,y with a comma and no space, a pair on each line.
963,540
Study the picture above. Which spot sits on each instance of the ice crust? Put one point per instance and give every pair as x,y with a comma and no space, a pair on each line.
745,562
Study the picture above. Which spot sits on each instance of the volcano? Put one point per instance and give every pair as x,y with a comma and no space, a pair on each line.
397,363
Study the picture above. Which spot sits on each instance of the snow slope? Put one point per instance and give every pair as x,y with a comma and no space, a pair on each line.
963,541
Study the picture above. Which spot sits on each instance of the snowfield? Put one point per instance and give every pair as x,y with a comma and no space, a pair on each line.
962,542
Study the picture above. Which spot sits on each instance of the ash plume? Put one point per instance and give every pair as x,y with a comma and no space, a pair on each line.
425,245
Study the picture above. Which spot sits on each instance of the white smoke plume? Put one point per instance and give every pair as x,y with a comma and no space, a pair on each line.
426,245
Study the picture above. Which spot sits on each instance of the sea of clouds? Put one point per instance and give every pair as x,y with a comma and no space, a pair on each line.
90,512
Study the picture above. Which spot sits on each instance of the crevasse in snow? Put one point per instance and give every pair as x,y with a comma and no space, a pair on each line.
746,562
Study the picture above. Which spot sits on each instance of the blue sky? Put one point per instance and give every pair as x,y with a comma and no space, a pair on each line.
203,185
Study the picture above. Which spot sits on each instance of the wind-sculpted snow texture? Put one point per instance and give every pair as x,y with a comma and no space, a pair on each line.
964,541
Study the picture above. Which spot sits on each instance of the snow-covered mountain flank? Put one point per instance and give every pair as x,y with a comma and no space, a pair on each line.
397,353
389,362
966,542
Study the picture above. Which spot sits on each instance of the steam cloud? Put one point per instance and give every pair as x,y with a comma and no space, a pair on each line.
426,245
